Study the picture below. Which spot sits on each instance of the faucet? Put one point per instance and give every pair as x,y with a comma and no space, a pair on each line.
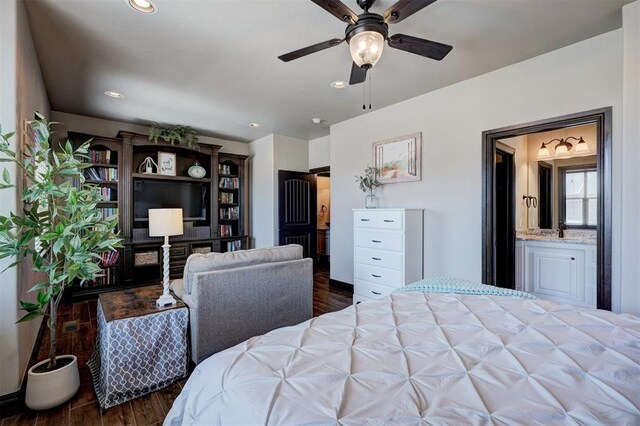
561,228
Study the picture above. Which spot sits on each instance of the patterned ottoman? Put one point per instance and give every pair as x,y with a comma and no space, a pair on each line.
139,348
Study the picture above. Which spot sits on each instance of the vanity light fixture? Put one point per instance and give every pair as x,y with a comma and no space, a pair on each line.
563,147
114,95
143,6
582,146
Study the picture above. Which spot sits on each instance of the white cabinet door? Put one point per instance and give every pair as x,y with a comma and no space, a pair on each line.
557,272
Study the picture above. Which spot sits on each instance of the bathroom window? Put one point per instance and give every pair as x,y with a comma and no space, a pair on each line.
579,196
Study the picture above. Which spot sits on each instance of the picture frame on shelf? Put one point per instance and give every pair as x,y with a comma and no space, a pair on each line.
166,163
399,159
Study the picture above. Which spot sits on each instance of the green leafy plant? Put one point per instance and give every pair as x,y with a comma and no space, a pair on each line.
59,229
178,134
369,182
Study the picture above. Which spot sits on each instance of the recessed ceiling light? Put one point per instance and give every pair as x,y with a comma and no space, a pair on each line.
113,94
143,6
339,84
254,125
316,120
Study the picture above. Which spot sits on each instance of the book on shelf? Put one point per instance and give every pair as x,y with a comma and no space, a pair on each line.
100,157
229,183
109,258
226,230
224,169
108,193
107,212
229,213
234,245
226,197
101,173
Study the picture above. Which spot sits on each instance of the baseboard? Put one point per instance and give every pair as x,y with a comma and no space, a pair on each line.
13,403
340,284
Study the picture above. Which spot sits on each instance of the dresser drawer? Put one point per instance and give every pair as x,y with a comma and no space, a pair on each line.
379,240
381,258
369,290
392,220
382,276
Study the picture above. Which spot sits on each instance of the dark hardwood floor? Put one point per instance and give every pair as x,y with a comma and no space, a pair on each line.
150,409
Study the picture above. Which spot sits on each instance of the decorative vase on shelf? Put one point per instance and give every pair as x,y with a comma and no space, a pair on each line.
370,201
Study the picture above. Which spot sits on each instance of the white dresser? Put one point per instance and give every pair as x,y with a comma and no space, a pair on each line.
387,251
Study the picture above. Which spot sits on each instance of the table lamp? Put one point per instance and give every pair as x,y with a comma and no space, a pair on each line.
165,223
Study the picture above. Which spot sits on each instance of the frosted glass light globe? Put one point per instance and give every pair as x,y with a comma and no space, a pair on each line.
366,48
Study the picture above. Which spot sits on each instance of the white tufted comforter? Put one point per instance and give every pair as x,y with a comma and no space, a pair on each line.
438,359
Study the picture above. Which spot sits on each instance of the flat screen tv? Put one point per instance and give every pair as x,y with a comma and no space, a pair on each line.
157,194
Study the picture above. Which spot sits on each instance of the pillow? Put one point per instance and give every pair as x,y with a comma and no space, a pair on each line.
237,259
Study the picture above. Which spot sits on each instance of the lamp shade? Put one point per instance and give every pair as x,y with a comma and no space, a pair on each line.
366,48
582,146
543,152
165,222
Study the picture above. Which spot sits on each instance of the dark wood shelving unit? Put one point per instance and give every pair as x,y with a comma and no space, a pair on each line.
136,192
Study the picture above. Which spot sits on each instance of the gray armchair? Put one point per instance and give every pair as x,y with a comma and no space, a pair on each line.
237,295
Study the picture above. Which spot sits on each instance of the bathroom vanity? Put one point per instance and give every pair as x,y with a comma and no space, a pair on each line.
560,269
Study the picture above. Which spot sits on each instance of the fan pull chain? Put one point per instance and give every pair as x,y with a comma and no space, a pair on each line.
363,95
370,75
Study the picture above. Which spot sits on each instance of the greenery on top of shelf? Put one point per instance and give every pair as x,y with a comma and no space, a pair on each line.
59,230
182,135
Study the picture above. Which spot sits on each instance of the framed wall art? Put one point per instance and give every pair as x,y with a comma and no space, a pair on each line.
398,159
167,163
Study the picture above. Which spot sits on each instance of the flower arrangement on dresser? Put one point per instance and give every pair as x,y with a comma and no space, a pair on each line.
369,182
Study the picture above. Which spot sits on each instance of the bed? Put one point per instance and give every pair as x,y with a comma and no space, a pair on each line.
427,357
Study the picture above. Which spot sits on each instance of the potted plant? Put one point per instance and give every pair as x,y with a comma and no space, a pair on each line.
182,135
61,232
369,182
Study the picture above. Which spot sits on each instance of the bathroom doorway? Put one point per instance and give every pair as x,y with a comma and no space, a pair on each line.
562,186
323,216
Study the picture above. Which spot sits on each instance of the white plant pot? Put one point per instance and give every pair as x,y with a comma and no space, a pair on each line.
52,388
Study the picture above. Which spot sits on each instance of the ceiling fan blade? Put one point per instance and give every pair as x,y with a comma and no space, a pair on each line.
403,9
358,75
337,9
420,46
310,49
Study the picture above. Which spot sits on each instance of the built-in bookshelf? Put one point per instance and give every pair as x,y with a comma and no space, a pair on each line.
231,202
105,159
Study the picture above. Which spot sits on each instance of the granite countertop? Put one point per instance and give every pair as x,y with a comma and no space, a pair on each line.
571,237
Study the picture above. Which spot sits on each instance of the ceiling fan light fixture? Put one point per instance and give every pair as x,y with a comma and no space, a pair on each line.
143,6
366,48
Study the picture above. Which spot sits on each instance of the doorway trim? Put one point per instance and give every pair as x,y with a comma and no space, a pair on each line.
603,120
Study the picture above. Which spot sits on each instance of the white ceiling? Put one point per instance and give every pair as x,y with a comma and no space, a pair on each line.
212,64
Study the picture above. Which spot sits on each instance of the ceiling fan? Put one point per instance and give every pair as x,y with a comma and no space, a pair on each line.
366,33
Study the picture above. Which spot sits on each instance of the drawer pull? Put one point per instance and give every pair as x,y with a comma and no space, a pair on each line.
376,258
376,276
376,241
377,293
365,220
389,220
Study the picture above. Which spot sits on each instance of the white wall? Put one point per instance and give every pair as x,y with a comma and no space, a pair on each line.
22,92
109,128
452,120
262,191
630,224
319,152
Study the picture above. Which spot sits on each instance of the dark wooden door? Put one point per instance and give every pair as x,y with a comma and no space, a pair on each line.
505,220
297,210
